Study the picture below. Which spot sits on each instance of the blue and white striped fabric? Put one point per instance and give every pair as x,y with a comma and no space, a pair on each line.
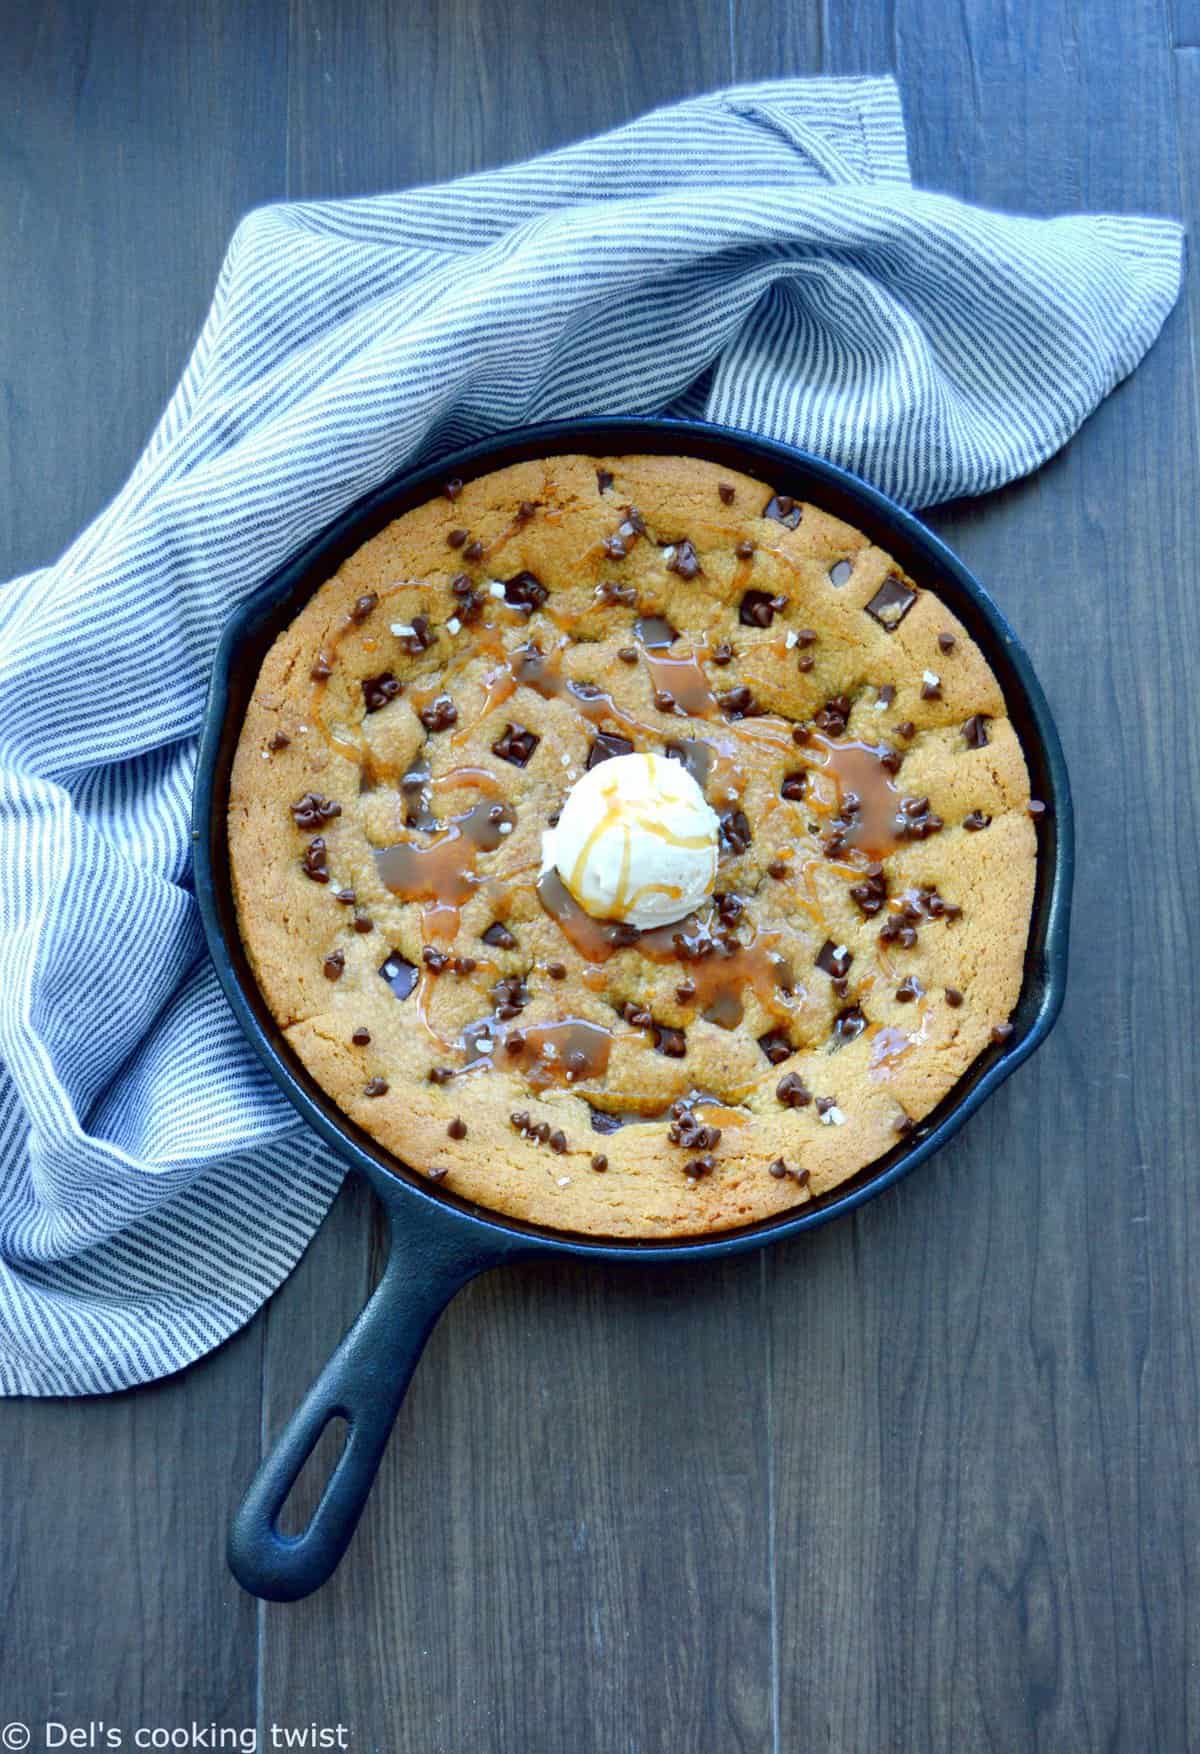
757,255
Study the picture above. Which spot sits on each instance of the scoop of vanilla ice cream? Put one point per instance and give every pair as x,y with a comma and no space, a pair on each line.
635,841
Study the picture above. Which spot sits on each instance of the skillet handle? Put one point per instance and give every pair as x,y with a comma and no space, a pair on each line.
364,1382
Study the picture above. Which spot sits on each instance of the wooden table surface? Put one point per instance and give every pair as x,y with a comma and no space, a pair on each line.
929,1479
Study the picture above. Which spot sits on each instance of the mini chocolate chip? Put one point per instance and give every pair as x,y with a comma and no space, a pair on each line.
1036,808
1001,1032
664,700
976,820
437,1172
453,488
783,508
378,690
603,1122
825,1103
722,653
848,1024
758,608
312,810
434,959
516,744
975,731
615,548
792,1091
931,690
558,1141
805,662
776,1046
685,992
603,480
778,1169
363,923
778,869
418,639
840,571
457,1128
363,607
499,936
440,1074
557,971
794,786
738,703
946,642
440,714
375,1087
621,935
637,1016
887,695
361,1037
314,863
685,561
745,549
671,1042
334,965
907,730
628,654
322,669
474,550
278,740
599,1162
606,745
347,897
736,833
464,965
953,998
727,493
456,538
834,716
871,893
903,1124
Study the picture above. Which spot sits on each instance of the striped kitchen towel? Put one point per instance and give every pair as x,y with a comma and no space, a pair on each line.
758,256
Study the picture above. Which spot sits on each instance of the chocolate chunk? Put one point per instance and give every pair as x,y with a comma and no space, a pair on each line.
456,538
976,820
722,653
739,703
523,591
946,642
671,1042
400,974
783,508
848,1024
499,936
453,488
599,1162
727,493
736,833
314,864
1001,1032
931,687
363,607
871,893
603,480
334,965
776,1046
758,608
312,810
457,1128
975,731
792,1091
606,745
745,549
891,603
375,1087
794,786
474,550
684,560
516,744
378,690
655,632
834,959
277,741
953,998
840,571
361,1037
440,714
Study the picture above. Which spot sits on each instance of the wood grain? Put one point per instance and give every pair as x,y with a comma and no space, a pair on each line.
926,1480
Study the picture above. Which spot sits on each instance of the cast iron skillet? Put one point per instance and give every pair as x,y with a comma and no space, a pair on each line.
439,1242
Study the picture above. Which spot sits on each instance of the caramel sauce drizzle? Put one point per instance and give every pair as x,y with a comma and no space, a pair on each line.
444,872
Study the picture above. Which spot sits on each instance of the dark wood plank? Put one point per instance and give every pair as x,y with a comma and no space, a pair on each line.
986,1446
134,137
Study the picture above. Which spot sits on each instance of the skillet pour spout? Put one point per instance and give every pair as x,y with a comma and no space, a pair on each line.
438,1242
